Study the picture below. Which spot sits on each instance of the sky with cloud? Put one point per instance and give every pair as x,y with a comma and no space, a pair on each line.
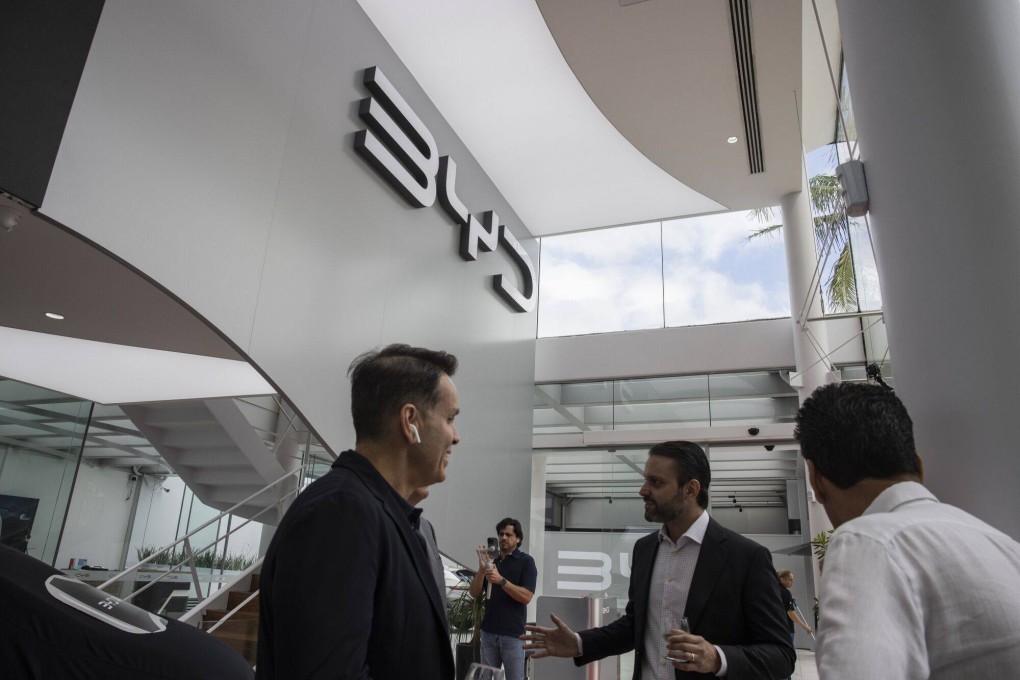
616,279
686,272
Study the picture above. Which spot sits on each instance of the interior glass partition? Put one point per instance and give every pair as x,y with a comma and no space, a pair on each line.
41,437
649,403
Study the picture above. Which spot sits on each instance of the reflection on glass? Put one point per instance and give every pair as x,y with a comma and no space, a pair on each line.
652,403
42,433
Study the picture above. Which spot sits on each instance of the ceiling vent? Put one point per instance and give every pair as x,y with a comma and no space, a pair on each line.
740,22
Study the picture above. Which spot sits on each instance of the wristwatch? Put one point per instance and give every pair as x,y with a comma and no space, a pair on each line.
502,584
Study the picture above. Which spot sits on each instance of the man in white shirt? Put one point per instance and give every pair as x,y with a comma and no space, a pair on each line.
911,587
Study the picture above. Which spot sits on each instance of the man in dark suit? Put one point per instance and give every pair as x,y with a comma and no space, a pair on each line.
721,582
347,586
427,531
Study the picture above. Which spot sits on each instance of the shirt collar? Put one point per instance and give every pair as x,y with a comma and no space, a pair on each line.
695,532
899,494
515,553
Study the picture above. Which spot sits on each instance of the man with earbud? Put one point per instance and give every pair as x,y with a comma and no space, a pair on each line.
348,589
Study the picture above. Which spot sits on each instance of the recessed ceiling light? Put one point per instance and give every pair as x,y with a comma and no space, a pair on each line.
58,317
732,140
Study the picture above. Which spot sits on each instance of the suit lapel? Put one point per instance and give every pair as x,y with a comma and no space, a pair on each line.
419,558
711,561
641,572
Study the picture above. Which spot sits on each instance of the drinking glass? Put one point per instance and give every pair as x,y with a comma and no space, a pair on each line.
679,623
477,671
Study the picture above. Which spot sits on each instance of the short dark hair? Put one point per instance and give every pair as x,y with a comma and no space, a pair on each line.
511,522
853,431
383,381
690,462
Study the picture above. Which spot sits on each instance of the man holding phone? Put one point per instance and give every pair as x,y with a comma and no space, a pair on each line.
512,576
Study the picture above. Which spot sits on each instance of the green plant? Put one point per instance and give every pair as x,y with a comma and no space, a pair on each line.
831,224
208,559
819,546
465,616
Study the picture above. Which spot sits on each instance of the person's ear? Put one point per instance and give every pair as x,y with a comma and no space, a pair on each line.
694,488
408,428
817,482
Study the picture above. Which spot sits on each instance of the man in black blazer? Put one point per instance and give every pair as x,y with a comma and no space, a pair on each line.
347,586
723,583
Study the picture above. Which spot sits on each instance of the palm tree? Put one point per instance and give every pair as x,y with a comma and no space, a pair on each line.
831,224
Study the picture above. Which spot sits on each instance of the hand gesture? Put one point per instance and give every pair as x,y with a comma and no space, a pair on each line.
492,575
692,653
558,641
484,561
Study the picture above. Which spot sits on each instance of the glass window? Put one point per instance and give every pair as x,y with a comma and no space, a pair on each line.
41,435
600,281
714,273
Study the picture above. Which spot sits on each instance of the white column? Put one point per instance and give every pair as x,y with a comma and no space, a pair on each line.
936,95
810,340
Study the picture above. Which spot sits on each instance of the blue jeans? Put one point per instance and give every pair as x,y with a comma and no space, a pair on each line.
506,651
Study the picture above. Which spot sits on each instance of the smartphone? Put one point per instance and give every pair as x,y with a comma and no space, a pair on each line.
492,543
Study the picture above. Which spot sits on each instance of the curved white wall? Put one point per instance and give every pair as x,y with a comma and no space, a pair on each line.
210,145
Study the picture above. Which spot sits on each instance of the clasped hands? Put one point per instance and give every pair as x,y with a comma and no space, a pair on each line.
687,651
486,564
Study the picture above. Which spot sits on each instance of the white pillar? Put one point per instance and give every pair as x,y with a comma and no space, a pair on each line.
936,96
810,339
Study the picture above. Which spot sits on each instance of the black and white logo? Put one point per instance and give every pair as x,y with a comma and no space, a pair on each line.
404,153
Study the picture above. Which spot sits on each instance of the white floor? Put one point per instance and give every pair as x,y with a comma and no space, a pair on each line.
806,668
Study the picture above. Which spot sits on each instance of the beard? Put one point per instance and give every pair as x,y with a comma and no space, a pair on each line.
665,513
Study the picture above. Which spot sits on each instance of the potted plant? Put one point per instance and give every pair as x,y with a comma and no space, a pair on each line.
819,546
465,618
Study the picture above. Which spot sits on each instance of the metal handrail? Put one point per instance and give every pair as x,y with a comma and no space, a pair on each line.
186,538
191,552
226,617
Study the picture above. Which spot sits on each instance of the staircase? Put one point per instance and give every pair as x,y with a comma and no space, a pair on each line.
217,449
241,630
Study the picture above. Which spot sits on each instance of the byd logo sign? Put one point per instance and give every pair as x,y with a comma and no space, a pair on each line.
595,567
403,151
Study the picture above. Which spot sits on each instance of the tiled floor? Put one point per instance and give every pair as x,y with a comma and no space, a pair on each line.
806,669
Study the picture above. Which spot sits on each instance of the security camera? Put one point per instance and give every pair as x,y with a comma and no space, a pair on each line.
9,218
753,431
769,447
166,490
132,478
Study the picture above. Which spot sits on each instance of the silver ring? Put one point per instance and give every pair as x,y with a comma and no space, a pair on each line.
692,655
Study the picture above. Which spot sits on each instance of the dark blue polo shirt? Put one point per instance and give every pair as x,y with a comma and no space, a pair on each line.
503,614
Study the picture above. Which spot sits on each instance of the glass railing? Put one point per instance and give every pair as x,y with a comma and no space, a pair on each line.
751,398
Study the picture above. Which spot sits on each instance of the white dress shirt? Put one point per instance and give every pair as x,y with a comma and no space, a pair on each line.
667,594
915,588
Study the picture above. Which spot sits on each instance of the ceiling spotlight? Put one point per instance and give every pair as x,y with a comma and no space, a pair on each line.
731,140
51,315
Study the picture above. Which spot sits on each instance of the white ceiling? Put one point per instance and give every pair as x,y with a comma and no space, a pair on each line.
594,113
585,114
117,325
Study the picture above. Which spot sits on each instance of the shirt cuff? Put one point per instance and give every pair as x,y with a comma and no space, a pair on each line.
722,667
580,645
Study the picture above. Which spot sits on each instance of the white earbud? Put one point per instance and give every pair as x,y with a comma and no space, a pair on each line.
417,437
